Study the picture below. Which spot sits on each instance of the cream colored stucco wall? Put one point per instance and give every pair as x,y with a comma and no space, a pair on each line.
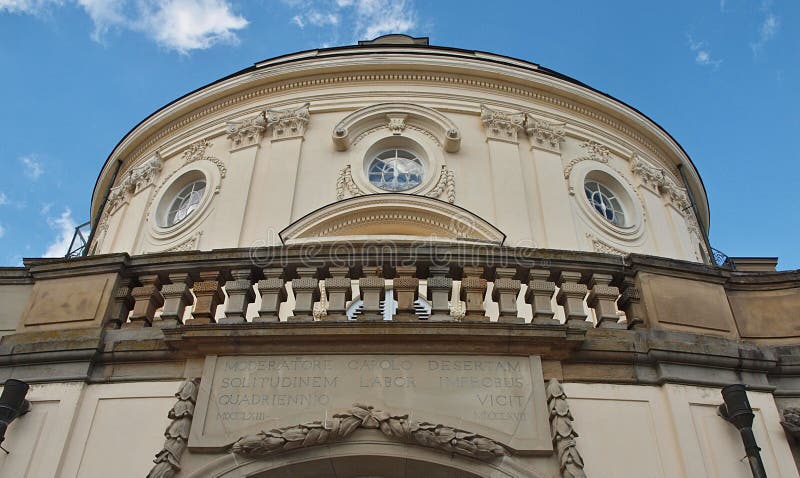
75,430
527,189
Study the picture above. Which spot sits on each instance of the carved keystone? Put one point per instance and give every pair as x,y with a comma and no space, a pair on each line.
147,299
273,293
540,292
439,289
339,291
372,287
406,288
630,301
305,288
505,292
209,295
603,298
123,303
570,296
473,290
176,297
240,295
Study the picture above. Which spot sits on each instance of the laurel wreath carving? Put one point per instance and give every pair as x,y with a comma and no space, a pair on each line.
563,432
399,427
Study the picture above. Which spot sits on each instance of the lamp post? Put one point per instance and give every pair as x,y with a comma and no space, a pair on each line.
737,411
12,405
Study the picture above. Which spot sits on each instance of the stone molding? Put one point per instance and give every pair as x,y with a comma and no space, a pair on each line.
168,460
342,425
396,117
442,220
288,123
563,432
246,132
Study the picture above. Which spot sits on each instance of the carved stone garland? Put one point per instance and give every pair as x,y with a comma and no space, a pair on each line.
447,439
446,185
601,246
168,460
562,432
594,152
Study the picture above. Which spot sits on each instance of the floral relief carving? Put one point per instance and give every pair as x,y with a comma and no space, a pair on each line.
594,152
563,432
134,181
246,132
187,245
545,133
445,185
345,184
288,123
168,460
342,425
197,151
501,125
397,123
601,246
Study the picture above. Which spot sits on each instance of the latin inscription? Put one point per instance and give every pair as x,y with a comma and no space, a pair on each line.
483,393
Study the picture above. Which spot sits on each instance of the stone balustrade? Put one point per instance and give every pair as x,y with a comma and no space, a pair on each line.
313,291
450,283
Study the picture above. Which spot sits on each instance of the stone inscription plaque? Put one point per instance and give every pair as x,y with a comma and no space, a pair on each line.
500,397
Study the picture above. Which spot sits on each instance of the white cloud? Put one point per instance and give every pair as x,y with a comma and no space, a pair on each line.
766,30
45,209
2,231
32,166
366,19
3,199
64,226
185,25
702,53
29,7
180,25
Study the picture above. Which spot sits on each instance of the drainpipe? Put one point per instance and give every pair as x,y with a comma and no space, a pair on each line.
737,411
102,207
703,230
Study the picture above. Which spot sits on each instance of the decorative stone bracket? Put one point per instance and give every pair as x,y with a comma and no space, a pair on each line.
563,432
168,460
505,126
341,426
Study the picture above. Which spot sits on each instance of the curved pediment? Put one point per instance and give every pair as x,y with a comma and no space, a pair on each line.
393,217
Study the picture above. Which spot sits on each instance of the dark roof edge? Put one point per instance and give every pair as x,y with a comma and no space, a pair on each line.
477,54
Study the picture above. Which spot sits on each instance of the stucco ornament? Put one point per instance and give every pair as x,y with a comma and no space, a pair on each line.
399,427
246,132
602,246
168,460
501,125
197,152
445,186
288,123
346,185
562,431
545,133
594,152
136,180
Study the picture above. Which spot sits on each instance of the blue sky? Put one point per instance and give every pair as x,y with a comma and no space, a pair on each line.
721,76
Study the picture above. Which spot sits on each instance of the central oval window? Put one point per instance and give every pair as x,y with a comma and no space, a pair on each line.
396,170
605,203
185,202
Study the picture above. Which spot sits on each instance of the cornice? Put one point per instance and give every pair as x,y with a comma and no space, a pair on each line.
466,72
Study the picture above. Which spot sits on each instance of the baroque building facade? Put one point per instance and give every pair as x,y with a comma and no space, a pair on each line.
391,259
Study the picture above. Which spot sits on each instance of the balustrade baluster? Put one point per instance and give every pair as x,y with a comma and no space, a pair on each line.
240,295
177,297
273,294
570,296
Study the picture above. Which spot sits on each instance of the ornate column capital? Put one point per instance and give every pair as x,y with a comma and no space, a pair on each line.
288,123
544,134
501,125
246,132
